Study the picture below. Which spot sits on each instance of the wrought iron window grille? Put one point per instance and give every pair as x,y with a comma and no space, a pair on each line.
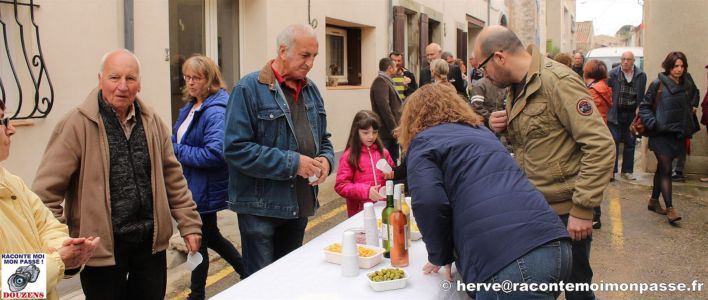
42,91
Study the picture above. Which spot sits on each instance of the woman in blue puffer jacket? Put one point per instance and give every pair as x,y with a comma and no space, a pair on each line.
473,204
198,139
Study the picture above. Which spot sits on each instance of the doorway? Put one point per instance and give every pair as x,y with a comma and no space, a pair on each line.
202,27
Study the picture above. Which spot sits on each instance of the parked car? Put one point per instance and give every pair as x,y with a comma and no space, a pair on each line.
611,55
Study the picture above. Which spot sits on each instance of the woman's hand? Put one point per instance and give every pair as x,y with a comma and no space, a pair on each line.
431,268
76,251
374,193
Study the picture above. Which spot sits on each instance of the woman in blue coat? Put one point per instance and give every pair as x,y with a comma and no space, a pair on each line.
198,139
473,204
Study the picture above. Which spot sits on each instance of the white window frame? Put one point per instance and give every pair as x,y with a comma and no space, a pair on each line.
343,33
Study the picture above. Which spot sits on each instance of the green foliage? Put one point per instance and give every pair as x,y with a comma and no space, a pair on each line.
550,49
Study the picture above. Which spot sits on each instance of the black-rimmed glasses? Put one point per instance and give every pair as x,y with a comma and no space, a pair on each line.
5,122
486,60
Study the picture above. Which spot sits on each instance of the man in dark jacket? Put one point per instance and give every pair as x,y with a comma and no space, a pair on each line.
628,83
454,75
386,103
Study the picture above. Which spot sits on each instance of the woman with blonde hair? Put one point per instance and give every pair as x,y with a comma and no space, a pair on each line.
198,140
467,191
438,70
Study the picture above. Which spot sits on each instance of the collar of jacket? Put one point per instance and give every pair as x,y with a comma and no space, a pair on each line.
532,84
684,83
636,72
90,108
267,77
210,101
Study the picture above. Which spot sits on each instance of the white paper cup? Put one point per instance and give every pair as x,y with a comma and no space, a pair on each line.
193,260
383,165
350,255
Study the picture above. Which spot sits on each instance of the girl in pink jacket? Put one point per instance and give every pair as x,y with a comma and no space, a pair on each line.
358,179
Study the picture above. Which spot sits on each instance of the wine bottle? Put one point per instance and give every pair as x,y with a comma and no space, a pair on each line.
399,242
406,211
385,214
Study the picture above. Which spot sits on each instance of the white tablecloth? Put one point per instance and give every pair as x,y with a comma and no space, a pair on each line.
304,274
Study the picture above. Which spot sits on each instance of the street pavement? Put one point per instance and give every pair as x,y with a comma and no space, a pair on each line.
634,245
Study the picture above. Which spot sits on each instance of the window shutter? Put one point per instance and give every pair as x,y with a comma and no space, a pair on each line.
354,56
399,23
423,39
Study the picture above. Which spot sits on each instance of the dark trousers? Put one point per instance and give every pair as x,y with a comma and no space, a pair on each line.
392,146
137,274
212,239
265,239
581,271
620,133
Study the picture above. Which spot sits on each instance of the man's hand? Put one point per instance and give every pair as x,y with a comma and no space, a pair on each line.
76,251
431,268
193,242
497,120
324,171
579,229
309,167
406,80
374,193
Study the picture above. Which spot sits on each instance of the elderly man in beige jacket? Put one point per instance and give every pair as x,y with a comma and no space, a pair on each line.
111,162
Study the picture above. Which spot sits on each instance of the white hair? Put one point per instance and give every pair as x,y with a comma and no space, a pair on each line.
286,38
105,57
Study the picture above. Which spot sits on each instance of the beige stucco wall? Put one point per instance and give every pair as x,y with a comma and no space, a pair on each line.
672,27
76,33
558,27
74,37
527,18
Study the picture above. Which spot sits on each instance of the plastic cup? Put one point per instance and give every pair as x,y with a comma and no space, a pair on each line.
314,178
383,165
193,260
350,255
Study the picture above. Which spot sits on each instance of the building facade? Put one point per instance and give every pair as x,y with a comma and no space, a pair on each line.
239,34
670,26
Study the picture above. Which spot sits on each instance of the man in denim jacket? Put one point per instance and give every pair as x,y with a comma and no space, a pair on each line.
277,149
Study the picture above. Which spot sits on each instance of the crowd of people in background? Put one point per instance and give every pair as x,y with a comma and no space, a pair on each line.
541,134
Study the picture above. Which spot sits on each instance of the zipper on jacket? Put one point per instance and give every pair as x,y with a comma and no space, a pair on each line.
373,166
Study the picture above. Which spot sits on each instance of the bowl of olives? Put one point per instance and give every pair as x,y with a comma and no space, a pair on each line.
387,279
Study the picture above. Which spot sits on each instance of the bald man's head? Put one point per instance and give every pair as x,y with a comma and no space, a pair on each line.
497,38
432,52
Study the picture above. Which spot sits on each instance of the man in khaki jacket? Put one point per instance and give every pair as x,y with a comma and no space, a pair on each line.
558,136
110,162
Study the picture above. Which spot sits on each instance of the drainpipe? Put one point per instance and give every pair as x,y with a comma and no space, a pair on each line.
390,26
128,25
489,12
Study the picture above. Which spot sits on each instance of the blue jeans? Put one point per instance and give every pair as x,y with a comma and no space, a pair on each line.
549,263
621,134
392,146
265,239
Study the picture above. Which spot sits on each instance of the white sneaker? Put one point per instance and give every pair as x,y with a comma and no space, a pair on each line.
628,176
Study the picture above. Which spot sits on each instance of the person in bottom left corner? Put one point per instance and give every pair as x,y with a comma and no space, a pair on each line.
20,207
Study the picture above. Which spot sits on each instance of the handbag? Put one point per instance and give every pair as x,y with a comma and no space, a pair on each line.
637,128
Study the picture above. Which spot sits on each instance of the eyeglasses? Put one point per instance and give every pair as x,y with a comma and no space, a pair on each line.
188,78
5,122
486,60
